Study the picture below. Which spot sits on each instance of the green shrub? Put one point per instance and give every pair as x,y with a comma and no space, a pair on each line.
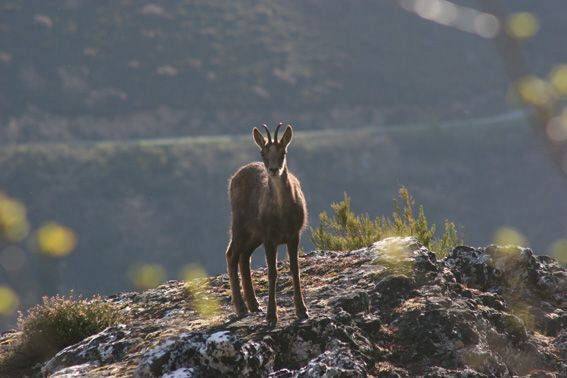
53,325
344,230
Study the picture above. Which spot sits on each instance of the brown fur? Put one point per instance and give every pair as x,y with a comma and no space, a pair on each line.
269,209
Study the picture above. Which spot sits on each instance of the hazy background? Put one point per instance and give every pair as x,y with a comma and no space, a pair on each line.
124,119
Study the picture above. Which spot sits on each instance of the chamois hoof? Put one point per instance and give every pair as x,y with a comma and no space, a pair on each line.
256,310
302,315
272,321
241,312
254,307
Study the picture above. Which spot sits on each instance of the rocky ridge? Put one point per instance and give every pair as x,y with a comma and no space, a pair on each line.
392,309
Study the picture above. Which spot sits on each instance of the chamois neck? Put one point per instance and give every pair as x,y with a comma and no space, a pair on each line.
278,184
283,178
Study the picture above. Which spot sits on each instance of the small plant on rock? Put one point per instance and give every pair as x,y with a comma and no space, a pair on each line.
53,325
344,230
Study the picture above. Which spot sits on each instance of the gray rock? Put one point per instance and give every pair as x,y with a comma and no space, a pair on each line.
105,347
352,303
334,363
73,371
201,353
389,310
439,372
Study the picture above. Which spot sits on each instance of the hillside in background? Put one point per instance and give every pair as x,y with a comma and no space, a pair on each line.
123,120
165,201
121,69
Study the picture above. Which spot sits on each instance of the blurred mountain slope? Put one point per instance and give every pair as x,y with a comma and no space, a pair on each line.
167,203
116,69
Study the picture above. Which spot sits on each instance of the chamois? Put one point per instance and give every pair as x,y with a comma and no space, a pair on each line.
268,207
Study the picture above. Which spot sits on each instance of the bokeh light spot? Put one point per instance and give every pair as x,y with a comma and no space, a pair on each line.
559,250
486,25
522,25
557,127
524,313
5,57
56,240
558,79
535,91
43,20
9,301
205,305
147,276
13,220
192,272
447,13
509,236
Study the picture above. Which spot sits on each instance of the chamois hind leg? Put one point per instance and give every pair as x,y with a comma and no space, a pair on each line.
271,259
232,255
292,247
247,286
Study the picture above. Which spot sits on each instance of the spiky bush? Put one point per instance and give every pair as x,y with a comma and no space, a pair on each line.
53,325
344,230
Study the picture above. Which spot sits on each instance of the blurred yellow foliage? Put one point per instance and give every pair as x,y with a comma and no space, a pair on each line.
509,236
205,305
558,79
8,301
522,25
56,240
13,220
559,250
147,276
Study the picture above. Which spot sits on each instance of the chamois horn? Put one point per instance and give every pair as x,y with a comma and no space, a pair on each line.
276,133
268,132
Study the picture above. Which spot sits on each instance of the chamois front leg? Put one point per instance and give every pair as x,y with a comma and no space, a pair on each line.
247,286
232,257
292,250
271,260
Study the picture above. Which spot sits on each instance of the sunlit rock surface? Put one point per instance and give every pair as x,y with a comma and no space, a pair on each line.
392,309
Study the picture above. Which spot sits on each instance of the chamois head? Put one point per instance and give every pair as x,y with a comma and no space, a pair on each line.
273,151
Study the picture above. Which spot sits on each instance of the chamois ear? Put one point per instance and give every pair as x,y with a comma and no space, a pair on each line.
258,138
287,135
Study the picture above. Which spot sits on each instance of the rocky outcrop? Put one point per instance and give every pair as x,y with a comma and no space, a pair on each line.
392,309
